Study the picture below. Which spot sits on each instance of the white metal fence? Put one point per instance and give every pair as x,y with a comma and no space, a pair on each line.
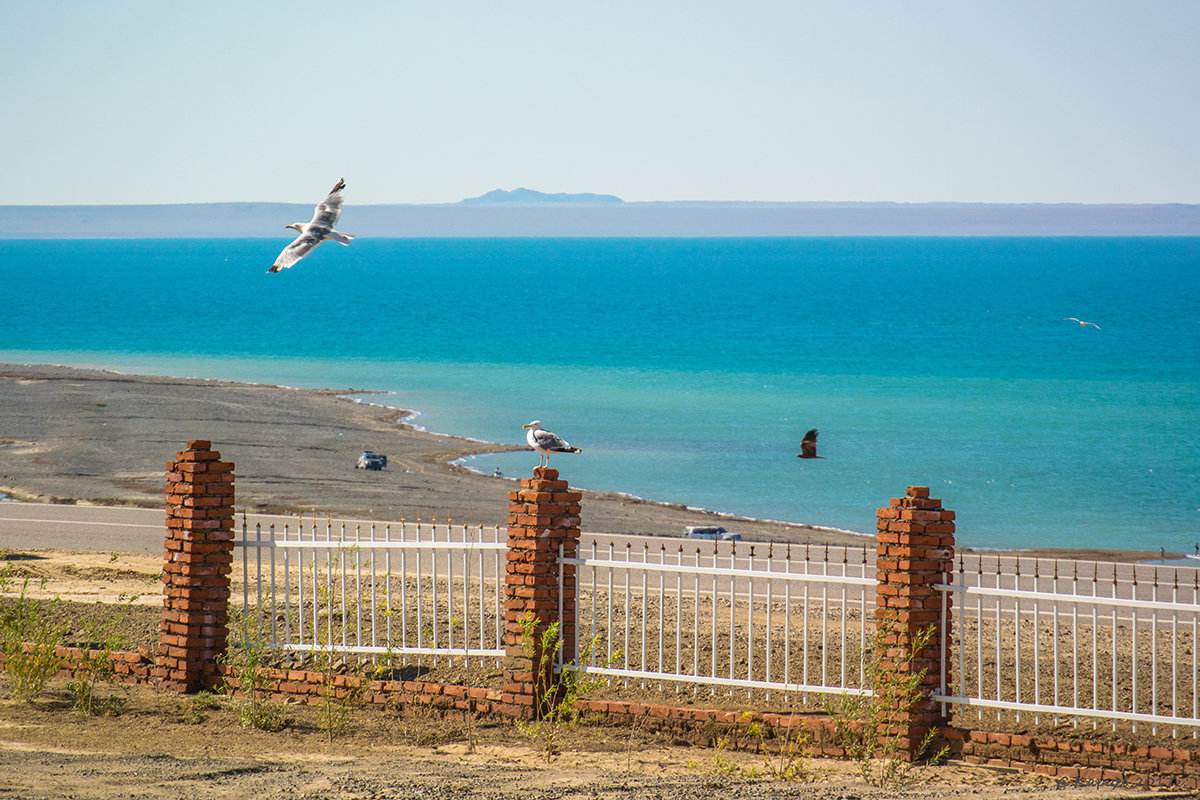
1089,640
725,616
399,589
1027,637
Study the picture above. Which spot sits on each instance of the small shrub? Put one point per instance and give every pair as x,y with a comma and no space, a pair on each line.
720,765
863,725
196,705
248,682
338,703
95,668
30,642
555,710
782,759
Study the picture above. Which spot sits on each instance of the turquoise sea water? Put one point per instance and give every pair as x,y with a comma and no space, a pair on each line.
689,369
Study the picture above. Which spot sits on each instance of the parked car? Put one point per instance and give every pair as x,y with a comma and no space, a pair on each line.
369,460
712,533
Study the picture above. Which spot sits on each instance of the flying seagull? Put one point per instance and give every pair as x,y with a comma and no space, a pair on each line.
808,445
1083,323
546,442
316,231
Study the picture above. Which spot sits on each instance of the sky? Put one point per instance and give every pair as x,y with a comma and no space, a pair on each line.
1087,101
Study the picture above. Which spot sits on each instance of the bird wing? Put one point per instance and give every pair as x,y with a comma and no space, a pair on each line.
545,440
326,215
301,246
808,445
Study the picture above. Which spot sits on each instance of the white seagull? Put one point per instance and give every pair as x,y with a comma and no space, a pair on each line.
546,442
315,231
1083,323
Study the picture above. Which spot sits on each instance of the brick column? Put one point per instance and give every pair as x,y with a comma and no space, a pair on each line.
542,515
915,550
198,558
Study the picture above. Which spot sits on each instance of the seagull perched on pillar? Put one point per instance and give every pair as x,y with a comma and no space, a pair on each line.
316,230
808,445
546,442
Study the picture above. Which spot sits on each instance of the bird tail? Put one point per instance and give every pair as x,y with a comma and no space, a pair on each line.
341,238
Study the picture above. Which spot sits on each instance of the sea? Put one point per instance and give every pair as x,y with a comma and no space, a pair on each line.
688,370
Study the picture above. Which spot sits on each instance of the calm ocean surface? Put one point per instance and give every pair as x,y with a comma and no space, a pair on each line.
689,369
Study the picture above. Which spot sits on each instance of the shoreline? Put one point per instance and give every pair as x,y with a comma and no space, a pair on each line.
101,437
97,436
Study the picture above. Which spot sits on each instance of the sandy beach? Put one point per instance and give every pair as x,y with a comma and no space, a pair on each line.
95,436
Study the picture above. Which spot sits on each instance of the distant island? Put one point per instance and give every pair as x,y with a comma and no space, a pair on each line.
523,195
529,213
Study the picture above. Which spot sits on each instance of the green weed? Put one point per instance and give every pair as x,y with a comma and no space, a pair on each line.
865,725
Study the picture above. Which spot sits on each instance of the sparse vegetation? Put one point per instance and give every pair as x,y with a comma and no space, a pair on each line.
555,705
94,668
782,755
30,641
865,724
196,707
250,685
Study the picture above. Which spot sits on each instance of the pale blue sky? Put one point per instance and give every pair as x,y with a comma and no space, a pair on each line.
1014,101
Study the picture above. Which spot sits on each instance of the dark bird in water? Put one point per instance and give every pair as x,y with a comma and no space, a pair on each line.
808,445
315,231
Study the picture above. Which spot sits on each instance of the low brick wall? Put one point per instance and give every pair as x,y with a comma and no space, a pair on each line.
1080,760
313,687
131,667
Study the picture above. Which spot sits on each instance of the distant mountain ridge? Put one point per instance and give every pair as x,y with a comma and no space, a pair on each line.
523,195
510,214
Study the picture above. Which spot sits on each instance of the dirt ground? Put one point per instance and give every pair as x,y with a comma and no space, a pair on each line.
170,746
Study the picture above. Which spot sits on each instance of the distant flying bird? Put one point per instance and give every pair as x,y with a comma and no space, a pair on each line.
1081,322
546,442
808,445
316,231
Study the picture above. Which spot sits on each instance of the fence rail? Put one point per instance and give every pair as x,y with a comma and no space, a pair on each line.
399,589
724,616
1111,643
1099,646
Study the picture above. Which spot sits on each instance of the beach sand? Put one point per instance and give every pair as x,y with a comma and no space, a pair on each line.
99,437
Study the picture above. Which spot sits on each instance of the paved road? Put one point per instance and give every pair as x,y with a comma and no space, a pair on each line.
39,526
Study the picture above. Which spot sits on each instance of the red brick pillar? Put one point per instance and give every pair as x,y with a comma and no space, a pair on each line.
542,515
197,561
915,550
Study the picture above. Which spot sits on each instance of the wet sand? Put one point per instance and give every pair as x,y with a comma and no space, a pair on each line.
100,437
